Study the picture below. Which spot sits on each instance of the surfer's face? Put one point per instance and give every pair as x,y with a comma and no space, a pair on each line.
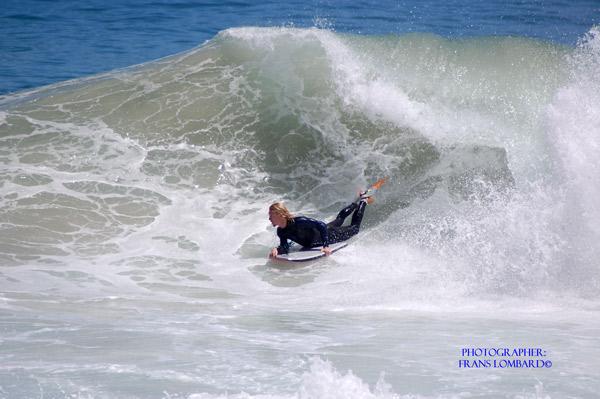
277,220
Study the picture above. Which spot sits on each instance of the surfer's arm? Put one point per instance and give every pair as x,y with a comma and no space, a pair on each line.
322,227
284,245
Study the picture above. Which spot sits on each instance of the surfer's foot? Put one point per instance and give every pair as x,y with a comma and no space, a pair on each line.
366,197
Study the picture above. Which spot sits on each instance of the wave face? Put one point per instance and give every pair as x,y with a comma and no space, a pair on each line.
144,191
489,148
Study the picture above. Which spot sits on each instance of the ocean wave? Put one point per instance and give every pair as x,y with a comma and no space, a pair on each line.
471,132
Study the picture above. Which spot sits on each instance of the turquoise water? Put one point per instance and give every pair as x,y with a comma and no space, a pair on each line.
134,231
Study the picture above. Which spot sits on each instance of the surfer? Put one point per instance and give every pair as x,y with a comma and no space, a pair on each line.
310,232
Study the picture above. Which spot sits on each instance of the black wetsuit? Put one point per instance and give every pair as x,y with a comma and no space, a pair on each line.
314,233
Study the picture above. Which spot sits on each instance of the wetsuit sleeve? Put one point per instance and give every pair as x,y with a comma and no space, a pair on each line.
322,227
284,245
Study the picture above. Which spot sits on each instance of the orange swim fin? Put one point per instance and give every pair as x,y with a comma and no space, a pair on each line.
377,185
368,194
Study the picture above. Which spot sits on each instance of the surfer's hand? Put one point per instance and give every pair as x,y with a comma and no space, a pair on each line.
326,251
273,253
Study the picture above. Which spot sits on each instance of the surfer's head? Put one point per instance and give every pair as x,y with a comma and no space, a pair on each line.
279,215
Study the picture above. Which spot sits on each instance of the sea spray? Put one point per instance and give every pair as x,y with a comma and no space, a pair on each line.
573,124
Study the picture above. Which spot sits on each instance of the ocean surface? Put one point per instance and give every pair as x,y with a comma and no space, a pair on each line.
142,142
44,41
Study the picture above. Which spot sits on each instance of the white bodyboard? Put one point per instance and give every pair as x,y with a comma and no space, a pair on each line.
301,254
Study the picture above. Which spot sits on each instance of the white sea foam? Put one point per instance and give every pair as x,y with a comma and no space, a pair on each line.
324,381
574,128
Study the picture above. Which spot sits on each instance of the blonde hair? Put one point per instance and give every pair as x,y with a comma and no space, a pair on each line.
279,209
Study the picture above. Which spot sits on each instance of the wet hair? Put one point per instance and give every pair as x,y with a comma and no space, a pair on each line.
279,209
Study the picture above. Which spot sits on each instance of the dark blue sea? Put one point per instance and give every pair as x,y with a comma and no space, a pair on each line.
44,42
142,142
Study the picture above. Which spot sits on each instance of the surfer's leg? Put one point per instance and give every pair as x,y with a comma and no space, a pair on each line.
358,215
342,233
342,215
339,234
333,234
